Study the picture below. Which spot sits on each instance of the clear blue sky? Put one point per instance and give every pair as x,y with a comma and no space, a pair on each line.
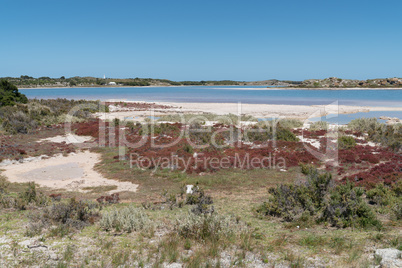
200,40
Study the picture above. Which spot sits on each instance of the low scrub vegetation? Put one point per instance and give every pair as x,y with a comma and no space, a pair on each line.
268,132
63,217
227,119
128,219
209,227
387,135
25,118
347,208
290,123
346,142
29,197
319,125
319,199
364,125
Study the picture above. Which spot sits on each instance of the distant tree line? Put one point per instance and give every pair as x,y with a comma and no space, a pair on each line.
29,81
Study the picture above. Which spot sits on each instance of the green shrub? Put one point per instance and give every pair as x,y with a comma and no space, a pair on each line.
387,135
26,198
62,218
9,94
319,125
295,202
15,121
200,200
266,132
346,142
397,188
285,135
188,148
3,185
307,169
381,195
396,210
317,198
74,214
290,123
364,124
208,227
128,219
24,118
345,207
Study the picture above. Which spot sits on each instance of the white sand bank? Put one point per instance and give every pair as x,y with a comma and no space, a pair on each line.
73,173
256,110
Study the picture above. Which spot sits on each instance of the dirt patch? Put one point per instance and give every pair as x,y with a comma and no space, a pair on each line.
69,139
73,173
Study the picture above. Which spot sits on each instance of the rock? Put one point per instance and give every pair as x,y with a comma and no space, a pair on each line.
53,256
173,265
189,189
390,257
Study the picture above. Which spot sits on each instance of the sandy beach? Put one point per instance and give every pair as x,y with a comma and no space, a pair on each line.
256,110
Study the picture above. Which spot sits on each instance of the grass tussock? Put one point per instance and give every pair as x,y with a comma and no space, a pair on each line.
208,227
128,219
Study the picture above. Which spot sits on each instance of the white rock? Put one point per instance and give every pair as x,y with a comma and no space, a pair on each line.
189,189
390,257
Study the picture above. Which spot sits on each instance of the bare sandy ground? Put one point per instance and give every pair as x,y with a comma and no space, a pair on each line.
68,138
73,173
266,110
256,110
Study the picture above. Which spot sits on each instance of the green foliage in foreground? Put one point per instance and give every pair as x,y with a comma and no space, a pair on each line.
318,199
9,94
